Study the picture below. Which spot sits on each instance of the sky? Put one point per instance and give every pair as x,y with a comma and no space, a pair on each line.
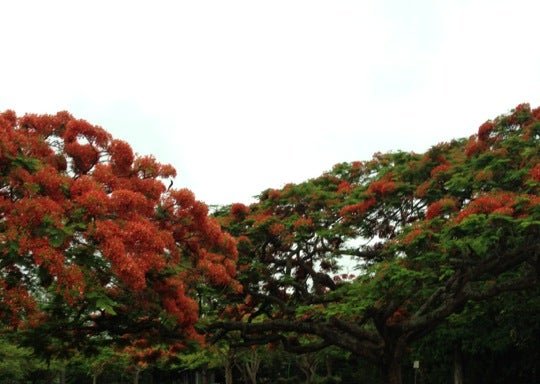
241,96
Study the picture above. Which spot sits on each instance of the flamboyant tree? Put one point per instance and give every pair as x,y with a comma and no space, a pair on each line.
427,233
92,241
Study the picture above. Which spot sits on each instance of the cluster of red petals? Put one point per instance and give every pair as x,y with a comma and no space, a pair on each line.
483,175
53,125
261,218
239,210
358,209
67,182
20,310
474,146
422,189
441,206
141,354
79,129
84,143
184,198
501,203
176,301
412,235
344,187
148,167
523,107
356,169
381,187
398,316
238,311
303,223
243,239
518,113
274,194
535,172
276,229
71,283
121,156
485,130
536,113
439,169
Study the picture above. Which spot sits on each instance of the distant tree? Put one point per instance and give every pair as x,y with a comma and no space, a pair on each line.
16,363
493,341
426,233
92,242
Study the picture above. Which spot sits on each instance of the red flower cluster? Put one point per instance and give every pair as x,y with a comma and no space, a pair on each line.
474,146
82,207
441,168
239,211
344,187
376,189
500,202
535,172
303,223
485,130
274,194
441,206
412,235
381,187
422,189
358,209
276,229
483,175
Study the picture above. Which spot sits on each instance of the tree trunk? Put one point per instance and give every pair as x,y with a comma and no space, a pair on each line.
393,372
328,363
228,374
63,375
252,374
252,365
205,376
136,377
228,364
308,364
94,378
458,365
243,371
393,355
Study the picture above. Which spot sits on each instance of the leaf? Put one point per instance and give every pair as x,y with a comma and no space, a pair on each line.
28,163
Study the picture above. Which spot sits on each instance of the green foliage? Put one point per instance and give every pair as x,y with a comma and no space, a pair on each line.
426,233
16,363
497,338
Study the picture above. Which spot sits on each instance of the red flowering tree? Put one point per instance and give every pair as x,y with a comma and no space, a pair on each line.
427,233
92,241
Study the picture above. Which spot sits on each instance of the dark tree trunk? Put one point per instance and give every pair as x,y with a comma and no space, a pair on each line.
136,376
329,370
252,365
228,373
228,364
205,376
458,365
308,365
63,375
393,372
393,355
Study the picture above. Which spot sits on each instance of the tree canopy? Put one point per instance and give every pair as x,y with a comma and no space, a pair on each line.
92,241
426,233
100,255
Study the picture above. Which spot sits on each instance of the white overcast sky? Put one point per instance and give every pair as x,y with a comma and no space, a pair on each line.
244,95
